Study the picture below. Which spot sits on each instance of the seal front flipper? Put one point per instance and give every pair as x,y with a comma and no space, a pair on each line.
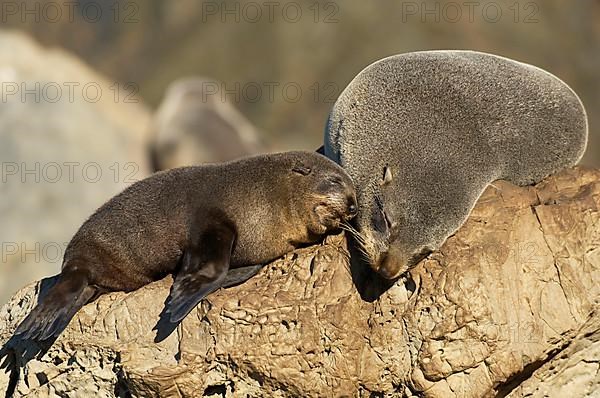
204,266
240,275
53,313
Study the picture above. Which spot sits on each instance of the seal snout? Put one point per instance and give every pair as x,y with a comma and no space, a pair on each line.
352,209
342,197
346,207
388,266
385,270
385,259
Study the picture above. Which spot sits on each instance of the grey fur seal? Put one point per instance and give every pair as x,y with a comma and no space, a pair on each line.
194,124
197,223
422,134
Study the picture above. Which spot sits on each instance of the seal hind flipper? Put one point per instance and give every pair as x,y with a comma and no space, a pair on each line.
54,312
203,268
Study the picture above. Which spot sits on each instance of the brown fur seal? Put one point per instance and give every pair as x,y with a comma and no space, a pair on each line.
194,124
197,223
422,135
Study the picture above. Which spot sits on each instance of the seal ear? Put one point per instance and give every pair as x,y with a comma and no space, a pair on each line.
387,176
302,169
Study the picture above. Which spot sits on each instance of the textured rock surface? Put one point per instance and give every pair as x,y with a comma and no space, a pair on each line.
69,140
508,306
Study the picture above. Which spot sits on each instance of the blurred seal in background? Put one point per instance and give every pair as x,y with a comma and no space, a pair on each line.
195,124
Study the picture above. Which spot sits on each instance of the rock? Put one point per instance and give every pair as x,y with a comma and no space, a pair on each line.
69,140
196,123
507,307
570,372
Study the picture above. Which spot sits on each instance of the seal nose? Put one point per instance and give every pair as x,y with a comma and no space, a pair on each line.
352,207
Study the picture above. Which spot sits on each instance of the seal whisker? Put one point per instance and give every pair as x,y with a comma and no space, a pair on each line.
358,238
353,231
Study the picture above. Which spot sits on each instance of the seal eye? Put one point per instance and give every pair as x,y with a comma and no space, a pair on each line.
331,184
378,218
335,180
302,169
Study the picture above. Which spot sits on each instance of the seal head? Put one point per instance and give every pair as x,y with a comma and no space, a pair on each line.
319,193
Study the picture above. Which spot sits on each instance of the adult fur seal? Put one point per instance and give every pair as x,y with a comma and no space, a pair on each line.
196,222
422,135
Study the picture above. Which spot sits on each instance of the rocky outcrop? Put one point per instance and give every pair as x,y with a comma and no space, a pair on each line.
69,140
507,307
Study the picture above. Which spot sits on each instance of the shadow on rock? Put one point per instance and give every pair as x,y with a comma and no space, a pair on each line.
370,285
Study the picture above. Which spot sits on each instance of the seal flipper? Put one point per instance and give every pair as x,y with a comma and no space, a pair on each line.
203,268
240,275
55,310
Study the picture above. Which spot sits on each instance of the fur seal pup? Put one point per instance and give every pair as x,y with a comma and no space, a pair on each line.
197,223
422,134
194,124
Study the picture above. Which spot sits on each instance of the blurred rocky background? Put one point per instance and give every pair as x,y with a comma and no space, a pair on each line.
65,148
256,48
280,65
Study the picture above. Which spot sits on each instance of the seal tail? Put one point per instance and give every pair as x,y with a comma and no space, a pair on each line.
54,312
